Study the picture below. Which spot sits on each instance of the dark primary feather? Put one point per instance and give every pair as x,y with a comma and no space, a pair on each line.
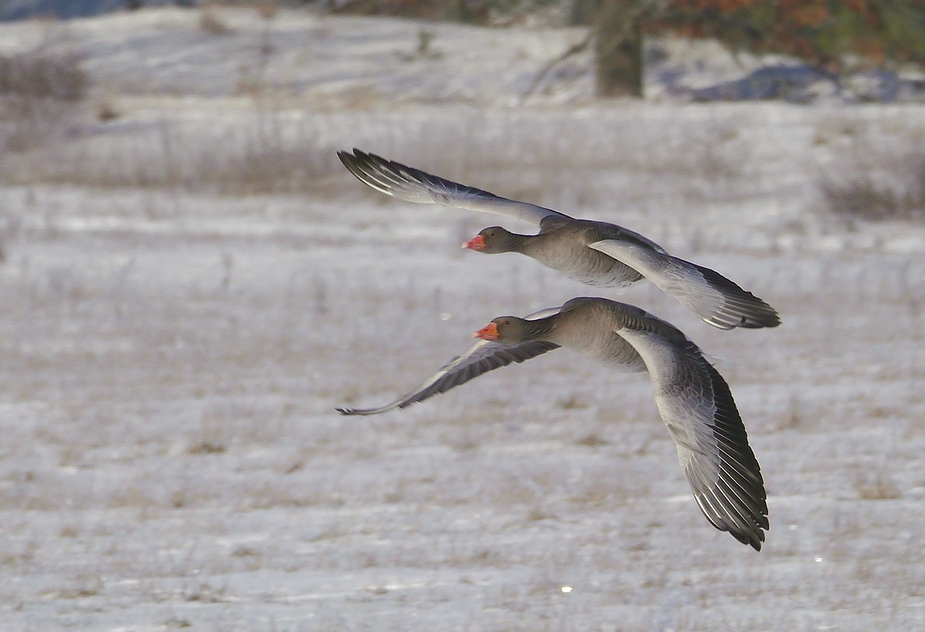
392,177
413,185
740,307
734,501
484,356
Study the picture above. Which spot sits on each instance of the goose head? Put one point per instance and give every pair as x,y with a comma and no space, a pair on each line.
507,329
493,240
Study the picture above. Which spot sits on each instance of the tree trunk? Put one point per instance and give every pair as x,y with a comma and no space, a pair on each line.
584,12
618,50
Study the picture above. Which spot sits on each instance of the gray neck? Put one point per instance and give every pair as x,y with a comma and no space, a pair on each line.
539,329
519,242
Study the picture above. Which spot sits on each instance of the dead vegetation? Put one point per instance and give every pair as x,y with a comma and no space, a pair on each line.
863,197
43,73
39,94
256,158
877,486
211,23
271,151
877,183
106,108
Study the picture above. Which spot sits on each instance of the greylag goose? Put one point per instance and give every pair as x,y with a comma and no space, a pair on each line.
692,397
592,252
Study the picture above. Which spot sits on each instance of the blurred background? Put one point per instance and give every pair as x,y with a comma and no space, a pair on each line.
192,282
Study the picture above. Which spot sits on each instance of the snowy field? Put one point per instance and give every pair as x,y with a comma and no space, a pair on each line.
191,288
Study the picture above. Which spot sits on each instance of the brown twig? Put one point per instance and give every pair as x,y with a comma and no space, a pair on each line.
572,50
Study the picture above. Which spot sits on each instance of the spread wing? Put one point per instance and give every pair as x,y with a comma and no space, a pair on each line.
413,185
710,295
695,403
482,357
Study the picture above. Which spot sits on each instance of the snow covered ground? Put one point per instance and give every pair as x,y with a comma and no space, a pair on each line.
179,322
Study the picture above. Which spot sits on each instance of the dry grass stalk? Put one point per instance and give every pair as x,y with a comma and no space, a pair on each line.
864,198
106,109
210,23
38,93
41,74
267,9
878,487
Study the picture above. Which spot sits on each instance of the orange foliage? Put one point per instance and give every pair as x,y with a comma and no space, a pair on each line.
723,6
871,49
799,27
858,6
808,15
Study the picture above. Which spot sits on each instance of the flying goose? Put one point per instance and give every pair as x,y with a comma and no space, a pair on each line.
597,253
693,399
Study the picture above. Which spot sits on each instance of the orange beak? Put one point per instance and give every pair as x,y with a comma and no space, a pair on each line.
488,332
476,243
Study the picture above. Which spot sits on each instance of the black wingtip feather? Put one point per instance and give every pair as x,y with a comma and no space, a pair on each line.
348,159
736,502
740,308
